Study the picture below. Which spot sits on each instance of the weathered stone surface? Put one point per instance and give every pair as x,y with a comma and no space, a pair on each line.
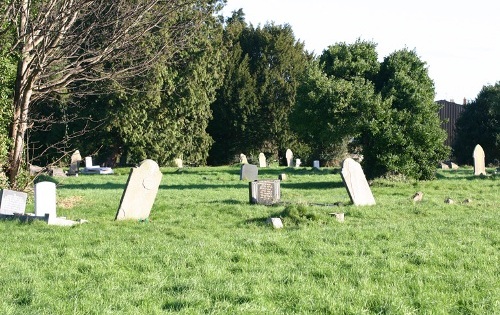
249,172
12,202
418,196
262,160
57,172
75,163
355,182
297,162
479,164
275,222
282,176
265,192
338,215
178,162
140,192
444,166
289,158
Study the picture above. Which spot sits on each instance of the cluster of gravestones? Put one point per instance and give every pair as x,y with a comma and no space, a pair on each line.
143,183
136,202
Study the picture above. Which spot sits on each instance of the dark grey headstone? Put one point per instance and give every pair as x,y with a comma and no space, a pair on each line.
12,202
249,172
265,192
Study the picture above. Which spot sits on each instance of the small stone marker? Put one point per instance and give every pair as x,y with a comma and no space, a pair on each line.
266,192
355,182
444,166
75,161
275,222
12,202
479,164
243,159
249,172
262,160
418,196
140,192
45,199
449,201
289,158
338,215
178,162
297,162
316,164
453,166
57,172
282,176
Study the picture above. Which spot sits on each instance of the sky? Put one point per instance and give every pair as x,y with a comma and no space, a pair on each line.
458,40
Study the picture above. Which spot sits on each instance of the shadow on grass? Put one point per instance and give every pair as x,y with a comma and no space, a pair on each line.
463,174
312,185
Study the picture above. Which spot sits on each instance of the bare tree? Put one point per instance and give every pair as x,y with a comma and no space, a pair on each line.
63,43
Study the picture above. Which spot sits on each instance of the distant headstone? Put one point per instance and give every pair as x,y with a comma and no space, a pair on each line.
316,164
355,182
262,160
265,192
75,161
57,172
297,162
453,166
479,164
289,158
45,199
282,176
178,162
243,159
140,192
249,172
418,196
444,166
12,202
275,222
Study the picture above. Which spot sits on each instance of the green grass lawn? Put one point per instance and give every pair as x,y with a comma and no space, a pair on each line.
206,250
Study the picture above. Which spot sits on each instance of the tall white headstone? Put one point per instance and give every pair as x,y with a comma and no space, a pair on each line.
45,199
316,164
479,164
355,181
243,159
262,160
289,158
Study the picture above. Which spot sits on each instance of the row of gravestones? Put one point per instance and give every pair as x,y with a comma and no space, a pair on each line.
289,160
136,202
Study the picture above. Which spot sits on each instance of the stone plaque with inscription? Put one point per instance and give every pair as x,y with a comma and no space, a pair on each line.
265,192
12,202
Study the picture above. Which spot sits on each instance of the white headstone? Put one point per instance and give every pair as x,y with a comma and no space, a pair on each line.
355,181
178,162
479,164
297,162
140,192
316,164
262,160
243,159
45,199
275,222
289,158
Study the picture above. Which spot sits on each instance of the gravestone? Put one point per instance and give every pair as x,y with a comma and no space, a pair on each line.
178,162
45,199
243,159
275,222
262,160
12,202
445,166
266,192
75,161
355,182
453,166
289,158
479,165
57,172
249,172
316,164
140,191
297,162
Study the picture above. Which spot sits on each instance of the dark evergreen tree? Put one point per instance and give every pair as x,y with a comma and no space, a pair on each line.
479,123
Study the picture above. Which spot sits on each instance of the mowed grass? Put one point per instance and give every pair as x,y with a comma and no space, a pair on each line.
206,250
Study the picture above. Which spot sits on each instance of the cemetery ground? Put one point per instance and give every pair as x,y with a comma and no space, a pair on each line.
206,250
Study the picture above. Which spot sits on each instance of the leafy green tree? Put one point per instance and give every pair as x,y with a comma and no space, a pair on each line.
335,98
479,123
405,136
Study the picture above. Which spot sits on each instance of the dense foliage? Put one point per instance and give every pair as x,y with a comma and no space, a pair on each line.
479,123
